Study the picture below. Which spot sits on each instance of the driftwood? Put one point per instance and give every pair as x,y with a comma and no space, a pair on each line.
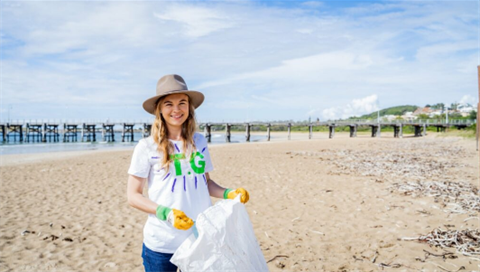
466,242
459,197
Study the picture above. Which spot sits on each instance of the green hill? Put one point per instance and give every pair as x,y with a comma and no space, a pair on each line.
398,110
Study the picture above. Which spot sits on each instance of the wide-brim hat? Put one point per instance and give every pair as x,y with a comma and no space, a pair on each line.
172,84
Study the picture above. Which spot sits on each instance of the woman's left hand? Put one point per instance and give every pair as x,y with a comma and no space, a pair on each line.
232,194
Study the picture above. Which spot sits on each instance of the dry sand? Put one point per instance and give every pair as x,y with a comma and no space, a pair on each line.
318,205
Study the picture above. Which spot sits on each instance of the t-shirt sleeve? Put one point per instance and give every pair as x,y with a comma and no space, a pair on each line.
140,166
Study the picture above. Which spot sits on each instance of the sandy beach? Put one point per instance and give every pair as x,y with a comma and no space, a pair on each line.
342,204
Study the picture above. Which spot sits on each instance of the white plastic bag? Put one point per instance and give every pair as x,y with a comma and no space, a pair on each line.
225,242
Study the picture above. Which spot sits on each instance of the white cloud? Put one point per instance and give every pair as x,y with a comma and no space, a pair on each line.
198,21
356,107
468,99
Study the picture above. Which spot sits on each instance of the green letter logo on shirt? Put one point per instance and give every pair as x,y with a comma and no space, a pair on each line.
198,169
176,162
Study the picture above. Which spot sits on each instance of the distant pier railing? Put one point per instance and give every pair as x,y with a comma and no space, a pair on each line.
420,127
68,131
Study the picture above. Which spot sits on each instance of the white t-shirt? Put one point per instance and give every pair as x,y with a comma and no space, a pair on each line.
184,188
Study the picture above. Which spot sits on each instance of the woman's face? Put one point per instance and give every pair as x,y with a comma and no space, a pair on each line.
175,109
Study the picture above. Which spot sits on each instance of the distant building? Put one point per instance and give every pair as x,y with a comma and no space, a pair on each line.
389,117
409,116
465,108
420,110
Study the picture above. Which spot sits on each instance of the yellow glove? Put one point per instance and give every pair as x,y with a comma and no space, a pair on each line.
231,194
177,218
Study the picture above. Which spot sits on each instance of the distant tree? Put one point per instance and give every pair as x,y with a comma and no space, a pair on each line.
454,106
423,116
427,106
438,106
454,115
473,115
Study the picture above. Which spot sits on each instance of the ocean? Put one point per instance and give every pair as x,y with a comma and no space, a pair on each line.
39,147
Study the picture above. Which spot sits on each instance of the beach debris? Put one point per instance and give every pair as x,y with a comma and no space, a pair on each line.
279,264
295,219
460,197
63,226
68,239
278,256
445,255
444,269
317,232
51,224
25,232
357,259
408,161
53,237
266,234
424,212
375,257
466,242
394,265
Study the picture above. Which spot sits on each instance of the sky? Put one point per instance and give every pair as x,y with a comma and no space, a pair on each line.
253,60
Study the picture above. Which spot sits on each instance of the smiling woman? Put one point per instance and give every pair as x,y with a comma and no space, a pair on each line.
176,162
174,109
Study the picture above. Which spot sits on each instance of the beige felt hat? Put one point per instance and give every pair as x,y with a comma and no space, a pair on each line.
172,84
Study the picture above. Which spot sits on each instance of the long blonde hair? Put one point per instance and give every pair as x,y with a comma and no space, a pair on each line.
160,134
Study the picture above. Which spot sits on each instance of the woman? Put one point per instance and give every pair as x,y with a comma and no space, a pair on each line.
176,162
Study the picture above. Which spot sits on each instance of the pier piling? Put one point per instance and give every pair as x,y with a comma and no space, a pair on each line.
127,132
88,131
14,130
228,134
147,130
247,132
70,132
108,134
208,132
353,131
376,130
268,132
331,131
33,131
50,131
289,130
310,131
4,132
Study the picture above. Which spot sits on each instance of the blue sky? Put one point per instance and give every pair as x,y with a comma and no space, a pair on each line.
253,60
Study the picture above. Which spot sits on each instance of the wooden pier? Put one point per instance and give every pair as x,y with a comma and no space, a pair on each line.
68,131
419,126
49,131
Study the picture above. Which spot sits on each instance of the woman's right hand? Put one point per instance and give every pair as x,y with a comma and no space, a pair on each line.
177,218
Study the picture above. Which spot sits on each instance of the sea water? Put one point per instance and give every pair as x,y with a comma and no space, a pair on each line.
39,147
